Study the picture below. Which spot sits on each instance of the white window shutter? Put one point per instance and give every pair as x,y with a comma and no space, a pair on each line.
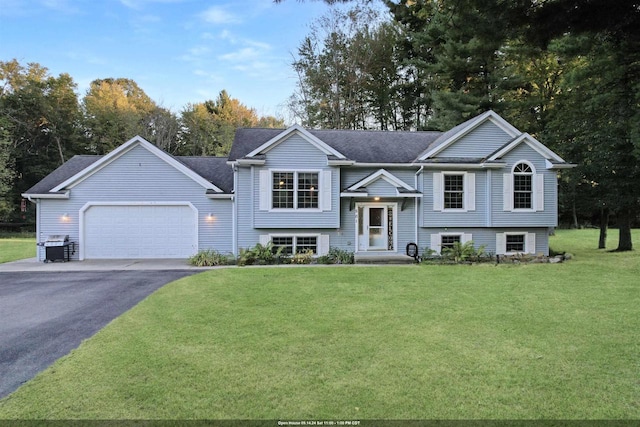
323,244
325,193
530,243
501,243
438,191
264,239
265,190
435,243
539,201
507,191
466,237
470,191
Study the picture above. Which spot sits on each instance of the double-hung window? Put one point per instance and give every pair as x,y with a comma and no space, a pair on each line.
515,242
454,191
447,240
295,190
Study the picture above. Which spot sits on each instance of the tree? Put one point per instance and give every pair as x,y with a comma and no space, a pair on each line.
7,172
348,75
115,111
41,120
209,128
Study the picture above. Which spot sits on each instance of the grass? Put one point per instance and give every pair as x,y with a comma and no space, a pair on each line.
15,246
535,341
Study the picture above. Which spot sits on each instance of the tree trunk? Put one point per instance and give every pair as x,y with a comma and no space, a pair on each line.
624,224
574,212
604,223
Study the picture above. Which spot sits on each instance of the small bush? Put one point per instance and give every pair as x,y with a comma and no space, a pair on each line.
337,256
210,258
260,255
304,257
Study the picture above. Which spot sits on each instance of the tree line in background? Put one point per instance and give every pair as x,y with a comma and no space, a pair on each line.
43,123
566,71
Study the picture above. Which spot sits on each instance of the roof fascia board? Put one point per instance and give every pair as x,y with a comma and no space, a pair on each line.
463,165
531,142
220,196
385,165
318,143
490,115
349,194
30,196
123,149
250,162
381,174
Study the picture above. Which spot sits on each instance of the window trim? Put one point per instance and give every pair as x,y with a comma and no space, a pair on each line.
295,172
537,189
529,242
437,245
295,237
532,175
468,191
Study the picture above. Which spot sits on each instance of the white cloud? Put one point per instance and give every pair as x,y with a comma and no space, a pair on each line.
139,4
219,15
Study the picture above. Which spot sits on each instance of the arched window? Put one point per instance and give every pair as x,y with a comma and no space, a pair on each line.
522,186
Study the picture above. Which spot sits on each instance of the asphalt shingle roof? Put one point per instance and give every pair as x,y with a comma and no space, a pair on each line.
360,145
213,169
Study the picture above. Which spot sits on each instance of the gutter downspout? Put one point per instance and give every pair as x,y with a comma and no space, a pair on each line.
417,202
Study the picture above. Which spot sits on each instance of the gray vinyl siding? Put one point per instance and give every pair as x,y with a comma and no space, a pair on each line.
306,156
247,235
480,142
486,237
546,218
475,218
155,181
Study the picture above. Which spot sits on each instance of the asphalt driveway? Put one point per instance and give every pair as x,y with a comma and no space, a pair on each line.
45,315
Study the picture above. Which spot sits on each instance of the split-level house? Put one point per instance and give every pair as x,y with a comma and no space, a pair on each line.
369,192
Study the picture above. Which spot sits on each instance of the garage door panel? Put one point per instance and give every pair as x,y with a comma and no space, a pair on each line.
140,231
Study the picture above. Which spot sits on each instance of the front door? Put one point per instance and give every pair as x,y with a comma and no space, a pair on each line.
375,227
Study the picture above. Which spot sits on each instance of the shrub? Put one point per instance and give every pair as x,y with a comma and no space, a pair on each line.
460,252
260,254
304,257
210,258
337,256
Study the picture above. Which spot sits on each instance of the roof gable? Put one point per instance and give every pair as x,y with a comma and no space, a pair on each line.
296,129
531,142
381,174
456,133
122,150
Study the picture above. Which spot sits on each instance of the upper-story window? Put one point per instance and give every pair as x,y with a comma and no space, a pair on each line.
522,186
454,191
523,189
295,190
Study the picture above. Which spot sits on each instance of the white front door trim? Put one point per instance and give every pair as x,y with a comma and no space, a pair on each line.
364,239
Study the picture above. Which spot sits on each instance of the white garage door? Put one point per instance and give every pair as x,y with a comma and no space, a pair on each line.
140,231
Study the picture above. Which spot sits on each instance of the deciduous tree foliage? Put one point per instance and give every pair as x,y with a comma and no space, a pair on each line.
41,125
208,128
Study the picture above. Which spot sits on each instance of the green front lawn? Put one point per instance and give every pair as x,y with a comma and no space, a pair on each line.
409,342
15,246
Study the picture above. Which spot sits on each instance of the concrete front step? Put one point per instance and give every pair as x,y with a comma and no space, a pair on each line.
383,259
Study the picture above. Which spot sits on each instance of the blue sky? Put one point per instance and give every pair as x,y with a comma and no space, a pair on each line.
178,51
